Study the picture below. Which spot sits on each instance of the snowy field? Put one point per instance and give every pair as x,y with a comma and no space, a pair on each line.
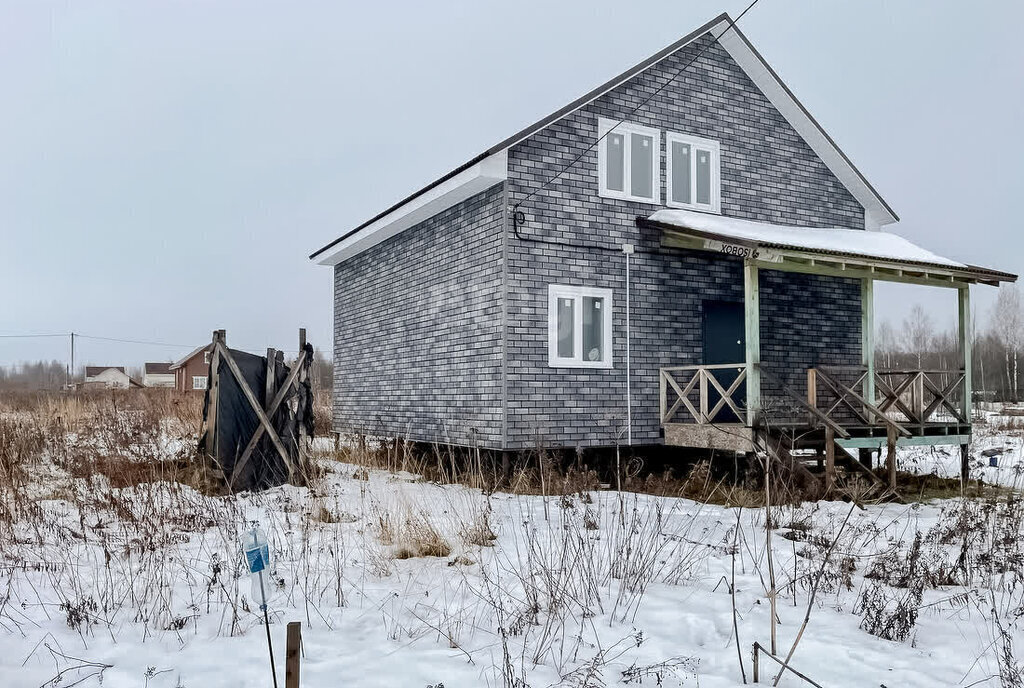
999,435
400,582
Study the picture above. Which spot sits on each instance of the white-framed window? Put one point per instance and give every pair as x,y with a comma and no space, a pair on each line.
629,161
579,327
198,382
206,357
692,167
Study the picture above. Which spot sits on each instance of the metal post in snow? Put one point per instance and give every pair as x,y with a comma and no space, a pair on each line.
257,556
266,623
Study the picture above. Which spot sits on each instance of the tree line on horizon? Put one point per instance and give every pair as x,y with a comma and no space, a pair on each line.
996,345
38,376
917,344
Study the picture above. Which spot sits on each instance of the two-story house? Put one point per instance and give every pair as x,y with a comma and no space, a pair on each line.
192,371
681,256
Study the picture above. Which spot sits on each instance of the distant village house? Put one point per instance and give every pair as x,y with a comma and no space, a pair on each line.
192,371
158,375
107,377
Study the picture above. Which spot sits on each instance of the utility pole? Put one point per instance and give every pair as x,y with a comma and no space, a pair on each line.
72,356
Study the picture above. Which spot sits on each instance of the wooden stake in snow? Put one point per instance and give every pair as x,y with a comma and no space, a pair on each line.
291,657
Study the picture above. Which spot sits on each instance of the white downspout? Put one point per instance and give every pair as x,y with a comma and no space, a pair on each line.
627,249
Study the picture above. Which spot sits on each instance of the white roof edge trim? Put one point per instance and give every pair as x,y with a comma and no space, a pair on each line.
468,183
854,242
876,212
181,361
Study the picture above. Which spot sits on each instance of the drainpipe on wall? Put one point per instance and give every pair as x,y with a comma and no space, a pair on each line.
627,249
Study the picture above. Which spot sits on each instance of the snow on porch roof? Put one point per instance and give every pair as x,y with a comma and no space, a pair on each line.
852,243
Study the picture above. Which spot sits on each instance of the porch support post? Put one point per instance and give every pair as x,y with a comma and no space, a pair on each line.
752,313
964,310
867,335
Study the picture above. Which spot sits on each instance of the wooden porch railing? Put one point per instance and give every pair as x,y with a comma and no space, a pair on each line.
903,397
679,383
834,399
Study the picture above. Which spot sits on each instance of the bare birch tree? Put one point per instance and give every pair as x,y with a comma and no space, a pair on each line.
1008,323
886,344
919,332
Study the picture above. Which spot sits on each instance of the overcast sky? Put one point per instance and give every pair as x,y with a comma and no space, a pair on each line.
165,168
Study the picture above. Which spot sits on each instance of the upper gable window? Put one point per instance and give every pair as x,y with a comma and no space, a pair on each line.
693,172
628,161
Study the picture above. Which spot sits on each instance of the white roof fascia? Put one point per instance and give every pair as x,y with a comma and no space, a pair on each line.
182,361
877,213
468,183
853,242
483,174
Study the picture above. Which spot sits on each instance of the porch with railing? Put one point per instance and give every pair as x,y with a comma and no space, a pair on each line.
860,407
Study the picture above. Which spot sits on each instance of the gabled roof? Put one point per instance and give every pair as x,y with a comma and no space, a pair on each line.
93,371
157,368
195,352
878,212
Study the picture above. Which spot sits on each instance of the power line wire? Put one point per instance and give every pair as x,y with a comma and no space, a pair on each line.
134,341
572,163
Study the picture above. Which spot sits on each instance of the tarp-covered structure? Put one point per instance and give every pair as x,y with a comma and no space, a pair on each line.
232,420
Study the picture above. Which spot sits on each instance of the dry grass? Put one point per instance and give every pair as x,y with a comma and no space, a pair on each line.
322,412
410,534
122,469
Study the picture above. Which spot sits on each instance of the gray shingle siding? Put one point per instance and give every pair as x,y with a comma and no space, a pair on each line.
417,330
768,174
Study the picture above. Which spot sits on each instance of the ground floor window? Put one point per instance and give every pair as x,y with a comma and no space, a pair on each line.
579,327
198,382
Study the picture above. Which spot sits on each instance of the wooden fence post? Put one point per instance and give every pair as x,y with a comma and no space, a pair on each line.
965,468
890,458
303,374
271,380
757,674
292,657
830,460
219,337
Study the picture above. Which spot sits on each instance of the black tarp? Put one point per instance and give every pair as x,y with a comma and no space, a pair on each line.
236,420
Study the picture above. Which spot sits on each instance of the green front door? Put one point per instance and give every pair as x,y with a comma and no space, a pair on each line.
724,342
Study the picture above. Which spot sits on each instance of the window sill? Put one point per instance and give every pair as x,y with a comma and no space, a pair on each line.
625,197
582,365
717,210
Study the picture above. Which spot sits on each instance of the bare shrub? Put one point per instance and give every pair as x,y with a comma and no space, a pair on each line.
478,530
411,535
889,615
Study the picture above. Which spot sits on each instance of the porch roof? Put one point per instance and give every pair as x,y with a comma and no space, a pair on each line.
857,252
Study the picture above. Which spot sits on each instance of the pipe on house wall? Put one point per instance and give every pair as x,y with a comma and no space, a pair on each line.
627,249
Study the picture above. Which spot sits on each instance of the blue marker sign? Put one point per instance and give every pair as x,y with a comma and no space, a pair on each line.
257,550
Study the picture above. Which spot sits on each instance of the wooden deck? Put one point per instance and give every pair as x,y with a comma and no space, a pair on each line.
705,407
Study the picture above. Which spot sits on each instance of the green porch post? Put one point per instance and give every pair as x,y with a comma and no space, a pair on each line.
867,336
752,321
964,301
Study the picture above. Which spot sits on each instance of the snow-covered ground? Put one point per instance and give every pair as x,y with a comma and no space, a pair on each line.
589,590
145,586
990,438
